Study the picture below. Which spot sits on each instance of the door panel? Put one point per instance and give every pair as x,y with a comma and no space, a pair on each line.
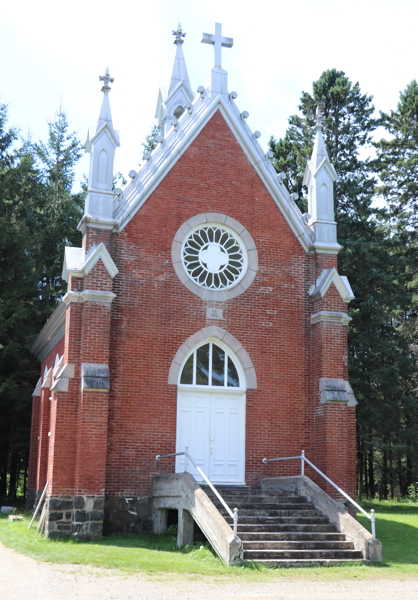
227,438
212,425
193,430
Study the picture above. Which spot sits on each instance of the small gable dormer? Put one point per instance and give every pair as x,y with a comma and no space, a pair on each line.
319,179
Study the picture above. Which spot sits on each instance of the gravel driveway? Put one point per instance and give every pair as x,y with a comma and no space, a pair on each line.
22,578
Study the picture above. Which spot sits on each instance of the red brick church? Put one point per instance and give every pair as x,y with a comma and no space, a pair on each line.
203,310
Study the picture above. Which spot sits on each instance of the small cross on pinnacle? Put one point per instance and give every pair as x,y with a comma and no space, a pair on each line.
106,78
179,34
218,41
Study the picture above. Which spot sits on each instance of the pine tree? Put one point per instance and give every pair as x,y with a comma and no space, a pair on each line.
38,217
61,210
397,167
380,365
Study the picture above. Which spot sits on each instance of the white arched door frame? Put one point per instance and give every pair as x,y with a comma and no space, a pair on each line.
211,421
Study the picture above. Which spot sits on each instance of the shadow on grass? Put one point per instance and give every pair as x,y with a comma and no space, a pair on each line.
399,539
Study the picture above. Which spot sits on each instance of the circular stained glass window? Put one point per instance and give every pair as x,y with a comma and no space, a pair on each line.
214,257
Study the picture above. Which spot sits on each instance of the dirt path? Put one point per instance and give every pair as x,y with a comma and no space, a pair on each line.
22,578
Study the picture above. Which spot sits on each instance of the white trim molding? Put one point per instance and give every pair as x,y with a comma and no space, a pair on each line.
179,138
328,276
50,334
330,317
78,263
213,331
37,390
245,239
89,296
65,373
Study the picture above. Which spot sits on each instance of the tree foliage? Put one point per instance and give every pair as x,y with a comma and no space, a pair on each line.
38,217
381,367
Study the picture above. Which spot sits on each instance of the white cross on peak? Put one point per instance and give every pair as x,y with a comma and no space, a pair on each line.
218,41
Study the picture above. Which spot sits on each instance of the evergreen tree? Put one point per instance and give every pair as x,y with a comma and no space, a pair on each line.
38,217
380,364
60,210
397,167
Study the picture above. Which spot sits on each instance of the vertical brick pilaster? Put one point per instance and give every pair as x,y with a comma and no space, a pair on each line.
334,423
43,442
33,453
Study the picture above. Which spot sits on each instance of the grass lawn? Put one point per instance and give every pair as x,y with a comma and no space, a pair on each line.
396,527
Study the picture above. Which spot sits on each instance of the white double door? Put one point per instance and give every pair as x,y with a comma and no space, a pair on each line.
212,426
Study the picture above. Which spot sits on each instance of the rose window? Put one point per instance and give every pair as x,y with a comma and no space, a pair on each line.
214,257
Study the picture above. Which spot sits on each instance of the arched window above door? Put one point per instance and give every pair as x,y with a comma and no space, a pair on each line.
210,365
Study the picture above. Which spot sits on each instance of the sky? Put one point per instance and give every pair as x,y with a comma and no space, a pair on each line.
52,53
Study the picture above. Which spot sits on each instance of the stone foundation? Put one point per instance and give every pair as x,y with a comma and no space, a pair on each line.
127,515
80,517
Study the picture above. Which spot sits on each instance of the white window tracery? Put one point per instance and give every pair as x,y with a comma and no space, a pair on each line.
214,257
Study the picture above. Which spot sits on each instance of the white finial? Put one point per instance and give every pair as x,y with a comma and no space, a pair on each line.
217,41
106,80
179,34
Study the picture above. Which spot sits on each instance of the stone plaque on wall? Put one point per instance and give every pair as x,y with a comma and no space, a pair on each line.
214,313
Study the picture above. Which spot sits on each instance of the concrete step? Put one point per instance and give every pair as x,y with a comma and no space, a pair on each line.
230,493
276,520
295,500
281,528
306,562
268,513
267,555
267,506
292,536
269,544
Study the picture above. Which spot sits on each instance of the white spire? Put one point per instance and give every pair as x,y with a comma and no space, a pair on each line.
101,144
319,179
319,151
171,105
105,114
179,73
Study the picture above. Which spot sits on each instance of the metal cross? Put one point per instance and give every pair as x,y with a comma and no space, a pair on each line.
106,78
218,41
179,34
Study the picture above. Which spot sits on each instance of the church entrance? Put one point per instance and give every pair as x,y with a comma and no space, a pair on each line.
211,414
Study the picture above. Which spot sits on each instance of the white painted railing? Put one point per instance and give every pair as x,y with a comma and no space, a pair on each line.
303,460
233,514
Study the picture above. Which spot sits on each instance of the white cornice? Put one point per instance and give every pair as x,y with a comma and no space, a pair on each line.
89,295
51,333
96,222
177,142
330,317
324,248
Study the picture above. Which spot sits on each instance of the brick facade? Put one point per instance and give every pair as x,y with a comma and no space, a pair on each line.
104,443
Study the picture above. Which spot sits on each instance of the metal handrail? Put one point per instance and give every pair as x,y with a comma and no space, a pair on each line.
233,514
303,460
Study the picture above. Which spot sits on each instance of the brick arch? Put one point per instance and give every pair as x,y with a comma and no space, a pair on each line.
217,332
